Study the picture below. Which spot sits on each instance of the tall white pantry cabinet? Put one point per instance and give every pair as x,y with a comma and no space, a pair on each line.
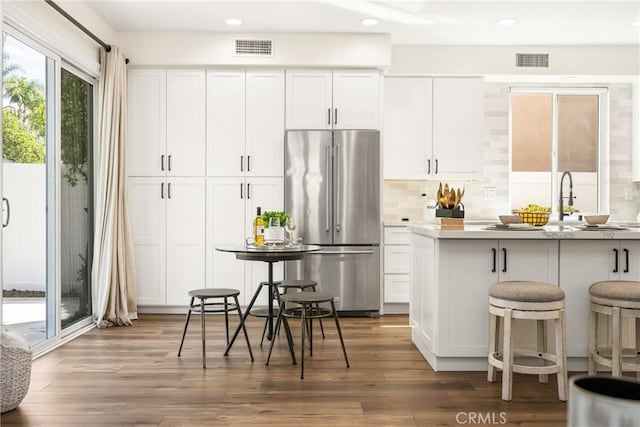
166,186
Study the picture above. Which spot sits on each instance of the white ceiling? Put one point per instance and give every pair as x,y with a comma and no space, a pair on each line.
412,22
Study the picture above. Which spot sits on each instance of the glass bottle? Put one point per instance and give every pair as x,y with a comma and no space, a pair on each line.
258,229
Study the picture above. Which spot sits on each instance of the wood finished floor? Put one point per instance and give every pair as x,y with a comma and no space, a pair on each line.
131,376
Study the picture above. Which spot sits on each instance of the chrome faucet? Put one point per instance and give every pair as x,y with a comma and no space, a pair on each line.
561,213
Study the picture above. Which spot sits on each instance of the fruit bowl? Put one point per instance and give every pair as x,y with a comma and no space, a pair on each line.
534,218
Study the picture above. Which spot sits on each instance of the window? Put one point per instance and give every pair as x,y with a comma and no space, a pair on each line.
553,131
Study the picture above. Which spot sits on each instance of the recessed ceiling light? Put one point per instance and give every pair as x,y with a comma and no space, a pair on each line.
233,21
636,24
506,22
369,21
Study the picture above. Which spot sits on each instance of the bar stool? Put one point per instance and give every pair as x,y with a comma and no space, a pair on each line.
204,307
526,300
302,285
618,299
308,308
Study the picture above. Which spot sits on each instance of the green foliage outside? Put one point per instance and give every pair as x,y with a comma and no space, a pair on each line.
20,144
76,125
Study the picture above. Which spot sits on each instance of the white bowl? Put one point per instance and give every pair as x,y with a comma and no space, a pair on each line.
596,219
510,219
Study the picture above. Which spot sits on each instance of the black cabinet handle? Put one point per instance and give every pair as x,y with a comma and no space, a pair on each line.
169,190
335,116
504,259
495,255
615,268
436,165
241,163
626,260
162,162
248,164
428,165
241,185
5,200
328,116
169,162
162,190
248,190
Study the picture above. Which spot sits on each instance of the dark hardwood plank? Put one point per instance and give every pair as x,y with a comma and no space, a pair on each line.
132,376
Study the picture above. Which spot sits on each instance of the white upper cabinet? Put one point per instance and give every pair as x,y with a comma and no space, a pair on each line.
458,110
407,128
146,124
339,99
166,127
309,99
433,127
265,123
185,122
245,123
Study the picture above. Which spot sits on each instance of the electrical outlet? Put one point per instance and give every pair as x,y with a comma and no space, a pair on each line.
489,193
628,193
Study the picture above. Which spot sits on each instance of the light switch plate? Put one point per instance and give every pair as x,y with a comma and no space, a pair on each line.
489,193
628,193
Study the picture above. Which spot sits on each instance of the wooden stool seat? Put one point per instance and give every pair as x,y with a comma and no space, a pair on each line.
203,307
308,308
534,301
297,284
617,299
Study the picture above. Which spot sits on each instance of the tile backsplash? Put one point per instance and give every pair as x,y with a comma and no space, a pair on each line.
402,199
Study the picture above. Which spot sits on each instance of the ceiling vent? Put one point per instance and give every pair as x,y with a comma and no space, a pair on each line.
253,47
540,60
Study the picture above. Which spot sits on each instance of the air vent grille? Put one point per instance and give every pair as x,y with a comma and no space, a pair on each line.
540,60
254,47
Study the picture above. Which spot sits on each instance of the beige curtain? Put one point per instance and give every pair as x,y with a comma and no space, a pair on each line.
113,274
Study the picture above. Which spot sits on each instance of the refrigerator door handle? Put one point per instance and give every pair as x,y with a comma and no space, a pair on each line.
338,184
327,149
340,253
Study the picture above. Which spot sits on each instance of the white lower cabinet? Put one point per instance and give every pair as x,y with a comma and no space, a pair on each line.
231,208
450,282
582,263
167,216
396,264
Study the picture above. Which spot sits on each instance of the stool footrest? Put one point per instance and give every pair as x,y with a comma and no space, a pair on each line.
495,359
311,312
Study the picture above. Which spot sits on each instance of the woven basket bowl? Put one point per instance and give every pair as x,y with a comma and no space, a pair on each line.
15,371
534,218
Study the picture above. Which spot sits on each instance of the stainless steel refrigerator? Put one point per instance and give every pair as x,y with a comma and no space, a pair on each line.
332,189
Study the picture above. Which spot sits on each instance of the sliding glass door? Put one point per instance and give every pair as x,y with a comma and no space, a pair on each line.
48,133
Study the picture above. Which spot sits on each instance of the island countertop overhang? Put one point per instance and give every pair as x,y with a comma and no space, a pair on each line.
552,232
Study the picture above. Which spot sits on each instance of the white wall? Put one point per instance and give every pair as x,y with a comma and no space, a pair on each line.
291,49
500,60
45,25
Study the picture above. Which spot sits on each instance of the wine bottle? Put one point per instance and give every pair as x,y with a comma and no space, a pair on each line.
258,229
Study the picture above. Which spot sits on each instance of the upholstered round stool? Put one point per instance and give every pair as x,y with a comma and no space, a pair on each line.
618,299
534,301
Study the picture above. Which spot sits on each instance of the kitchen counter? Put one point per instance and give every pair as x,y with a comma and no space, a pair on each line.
560,232
452,270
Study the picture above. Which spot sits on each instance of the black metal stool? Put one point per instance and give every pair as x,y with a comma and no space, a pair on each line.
308,308
214,307
302,285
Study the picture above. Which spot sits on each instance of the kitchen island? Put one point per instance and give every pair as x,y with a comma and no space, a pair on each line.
451,272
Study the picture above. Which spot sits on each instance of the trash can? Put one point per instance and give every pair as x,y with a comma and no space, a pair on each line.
603,401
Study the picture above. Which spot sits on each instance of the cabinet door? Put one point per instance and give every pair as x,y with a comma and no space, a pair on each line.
185,122
226,123
458,105
396,259
265,123
267,193
533,260
356,99
185,238
225,226
629,249
396,288
146,127
465,269
582,263
407,128
309,99
147,207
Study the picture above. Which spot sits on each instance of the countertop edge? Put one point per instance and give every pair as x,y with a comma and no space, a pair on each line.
546,233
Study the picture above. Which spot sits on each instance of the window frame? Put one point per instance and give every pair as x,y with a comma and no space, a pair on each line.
603,139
